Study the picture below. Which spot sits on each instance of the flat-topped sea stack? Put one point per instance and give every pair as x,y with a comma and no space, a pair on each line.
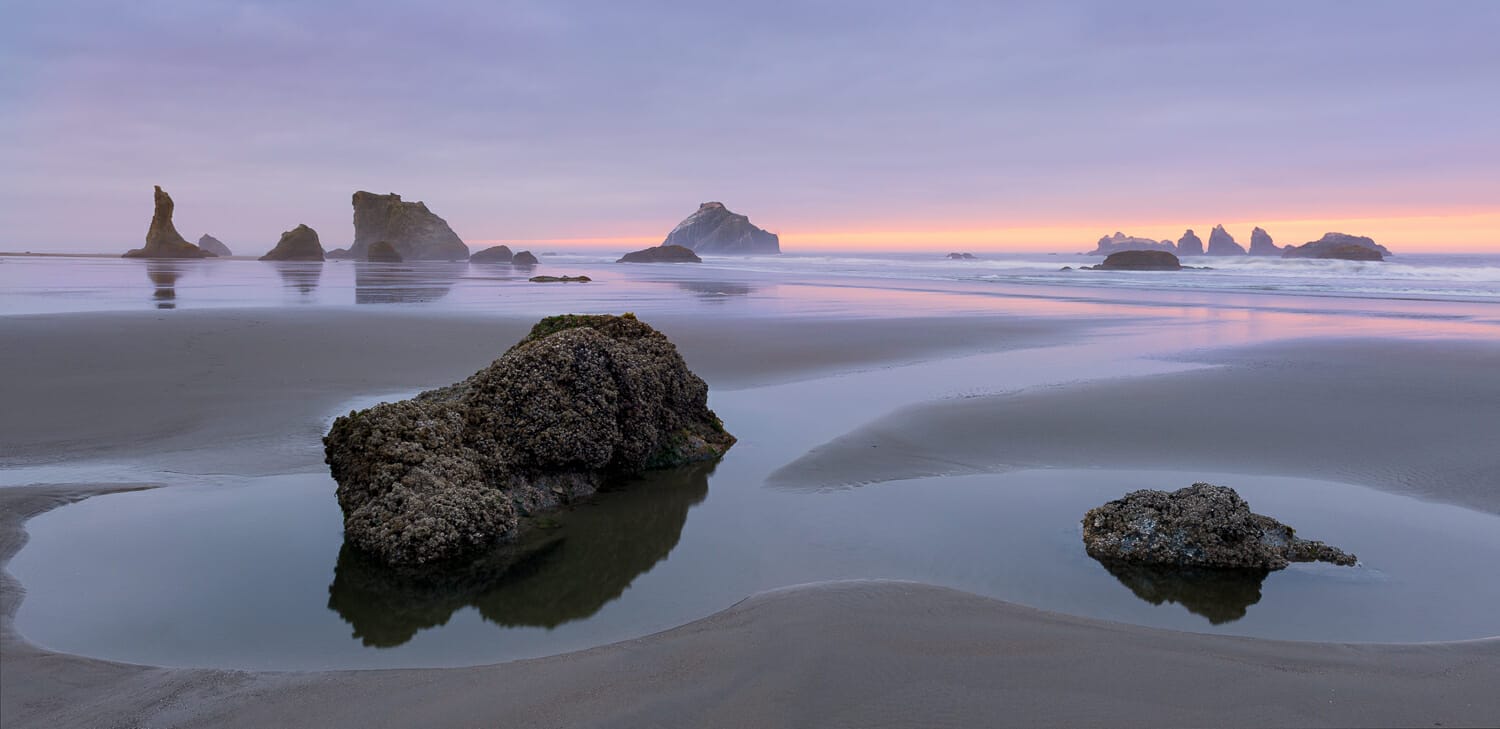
1261,243
298,244
1202,526
493,254
382,251
716,230
214,245
1189,244
415,231
523,258
1121,242
1139,261
162,238
1221,243
661,254
1341,246
451,472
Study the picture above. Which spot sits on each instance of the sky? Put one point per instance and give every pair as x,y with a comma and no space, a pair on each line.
853,125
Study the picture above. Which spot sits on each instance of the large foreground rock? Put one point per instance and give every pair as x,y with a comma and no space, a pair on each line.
1221,243
449,473
1202,525
1189,244
162,238
661,254
215,246
1261,243
1121,242
1339,245
715,229
298,244
415,231
1139,261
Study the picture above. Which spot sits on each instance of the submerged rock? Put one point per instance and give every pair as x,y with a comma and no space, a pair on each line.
1202,525
493,254
560,279
298,244
449,473
1339,245
383,252
1261,243
1221,243
1189,244
1139,261
414,230
162,238
214,245
1121,242
661,254
715,229
524,258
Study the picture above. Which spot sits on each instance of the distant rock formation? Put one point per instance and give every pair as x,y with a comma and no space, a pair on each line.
298,244
1189,244
449,473
1339,245
382,251
560,279
661,254
714,229
1221,243
524,258
1139,261
1261,243
963,256
214,245
415,231
1121,242
493,254
339,254
1202,525
162,239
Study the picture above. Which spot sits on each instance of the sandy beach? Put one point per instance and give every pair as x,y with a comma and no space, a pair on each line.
248,391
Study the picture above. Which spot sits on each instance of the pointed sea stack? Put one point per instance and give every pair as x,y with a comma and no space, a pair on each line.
1189,244
715,229
162,239
493,254
417,234
298,244
1261,243
214,245
1221,243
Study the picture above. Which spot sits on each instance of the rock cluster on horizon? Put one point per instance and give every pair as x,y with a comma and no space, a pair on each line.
214,245
382,251
963,256
415,231
1221,243
1341,246
1261,243
162,238
493,254
1202,525
661,254
1189,244
715,229
298,244
450,473
1121,242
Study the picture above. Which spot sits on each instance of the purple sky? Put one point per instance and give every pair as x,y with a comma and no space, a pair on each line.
553,120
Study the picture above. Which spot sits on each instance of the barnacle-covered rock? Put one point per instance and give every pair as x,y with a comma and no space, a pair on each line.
581,398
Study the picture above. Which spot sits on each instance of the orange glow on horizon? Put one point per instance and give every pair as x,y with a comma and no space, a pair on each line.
1460,233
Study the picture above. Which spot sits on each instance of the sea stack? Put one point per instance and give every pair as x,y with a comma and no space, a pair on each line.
523,258
162,239
382,251
298,244
1221,243
1139,261
416,233
1121,242
661,254
715,229
493,254
1341,246
214,245
1189,244
1261,243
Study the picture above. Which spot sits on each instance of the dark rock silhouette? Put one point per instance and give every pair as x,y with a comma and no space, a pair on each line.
560,279
523,258
339,254
1202,525
715,229
298,244
1121,242
214,245
661,254
162,238
1221,243
1339,245
566,568
493,254
383,252
1139,261
1221,595
1261,243
450,473
415,231
963,256
1189,244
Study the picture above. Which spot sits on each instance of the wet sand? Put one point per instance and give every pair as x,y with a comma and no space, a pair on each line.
834,654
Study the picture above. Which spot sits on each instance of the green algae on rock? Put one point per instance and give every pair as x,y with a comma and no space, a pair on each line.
451,472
